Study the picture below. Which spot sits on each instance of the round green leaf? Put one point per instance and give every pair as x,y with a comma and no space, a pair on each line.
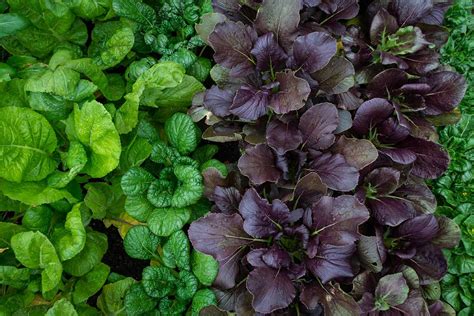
204,267
138,207
62,308
201,299
172,307
141,243
27,142
136,181
182,133
165,221
176,251
90,283
37,218
137,300
187,285
158,281
89,257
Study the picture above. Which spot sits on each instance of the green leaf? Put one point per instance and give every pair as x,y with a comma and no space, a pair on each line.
93,127
7,230
136,11
205,153
111,300
137,301
91,9
136,181
216,164
90,283
70,240
158,281
27,142
141,243
191,188
172,307
200,69
111,42
164,222
89,257
76,159
136,152
138,207
160,193
62,82
14,277
204,267
37,218
62,308
182,133
176,251
201,299
452,295
53,107
34,193
35,251
187,285
10,23
102,198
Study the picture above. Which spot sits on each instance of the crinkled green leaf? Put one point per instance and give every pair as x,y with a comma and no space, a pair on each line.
216,164
201,299
191,188
136,181
138,207
182,133
204,267
176,251
137,300
62,82
89,257
136,11
27,142
37,218
160,193
70,240
62,308
200,69
164,222
141,243
93,127
158,281
135,153
90,9
111,300
11,23
76,159
205,153
187,285
35,251
14,277
90,283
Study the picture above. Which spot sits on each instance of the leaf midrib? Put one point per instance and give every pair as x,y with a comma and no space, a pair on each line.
42,152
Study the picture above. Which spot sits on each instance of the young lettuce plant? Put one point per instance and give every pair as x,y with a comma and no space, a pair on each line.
177,283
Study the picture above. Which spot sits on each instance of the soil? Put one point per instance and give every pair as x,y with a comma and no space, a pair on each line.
116,257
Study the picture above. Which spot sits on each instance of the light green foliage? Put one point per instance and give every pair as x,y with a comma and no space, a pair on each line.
90,283
204,267
89,257
111,300
62,308
201,299
137,301
70,240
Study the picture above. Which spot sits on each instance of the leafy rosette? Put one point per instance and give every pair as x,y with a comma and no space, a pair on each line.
164,192
282,248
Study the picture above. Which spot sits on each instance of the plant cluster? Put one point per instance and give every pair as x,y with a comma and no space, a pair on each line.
456,187
334,106
85,103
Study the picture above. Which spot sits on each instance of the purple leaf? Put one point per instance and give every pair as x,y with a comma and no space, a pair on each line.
268,53
418,230
219,235
392,289
258,164
271,289
262,219
391,211
429,263
447,91
343,213
386,81
283,136
448,235
418,193
402,156
431,159
218,101
359,153
276,258
384,180
334,250
232,43
228,271
226,199
292,95
250,103
371,113
335,172
314,51
372,252
318,125
336,77
281,17
309,189
383,23
334,300
408,12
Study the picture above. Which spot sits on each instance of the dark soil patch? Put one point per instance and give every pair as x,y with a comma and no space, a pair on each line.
116,257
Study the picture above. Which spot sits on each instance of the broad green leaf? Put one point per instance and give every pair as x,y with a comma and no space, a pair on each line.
176,251
201,299
76,159
191,188
91,9
158,281
136,11
205,153
141,243
7,230
172,307
160,193
53,107
10,23
102,198
93,127
136,152
138,207
200,69
111,42
164,222
62,82
62,308
137,301
204,267
182,133
111,300
187,285
89,257
70,240
35,251
136,181
182,56
38,218
34,193
90,283
8,205
14,277
27,142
